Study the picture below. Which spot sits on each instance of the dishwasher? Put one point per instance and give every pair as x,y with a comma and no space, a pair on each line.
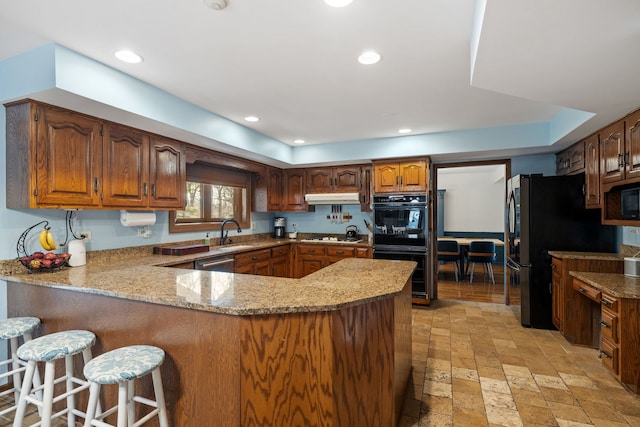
224,264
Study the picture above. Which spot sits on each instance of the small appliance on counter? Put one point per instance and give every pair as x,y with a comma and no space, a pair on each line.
279,225
78,251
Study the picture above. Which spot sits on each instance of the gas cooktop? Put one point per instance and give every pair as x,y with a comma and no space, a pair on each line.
331,240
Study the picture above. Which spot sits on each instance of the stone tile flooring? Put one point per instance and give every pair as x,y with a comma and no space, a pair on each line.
475,365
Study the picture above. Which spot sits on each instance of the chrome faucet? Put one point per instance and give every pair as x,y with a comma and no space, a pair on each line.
223,234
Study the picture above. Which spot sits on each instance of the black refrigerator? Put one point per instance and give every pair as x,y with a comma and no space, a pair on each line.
547,213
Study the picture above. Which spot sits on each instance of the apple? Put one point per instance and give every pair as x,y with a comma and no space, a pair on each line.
47,263
38,255
50,255
59,261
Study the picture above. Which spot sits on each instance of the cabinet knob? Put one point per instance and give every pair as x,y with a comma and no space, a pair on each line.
605,354
605,324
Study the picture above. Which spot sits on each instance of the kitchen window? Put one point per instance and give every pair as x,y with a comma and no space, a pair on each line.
213,194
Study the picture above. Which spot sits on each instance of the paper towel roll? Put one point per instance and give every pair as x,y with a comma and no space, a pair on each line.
137,219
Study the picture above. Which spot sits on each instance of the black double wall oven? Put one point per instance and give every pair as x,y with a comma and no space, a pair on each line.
400,233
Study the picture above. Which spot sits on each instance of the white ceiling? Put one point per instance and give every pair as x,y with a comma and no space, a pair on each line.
293,62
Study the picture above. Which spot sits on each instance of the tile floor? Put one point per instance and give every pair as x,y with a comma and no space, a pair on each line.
474,365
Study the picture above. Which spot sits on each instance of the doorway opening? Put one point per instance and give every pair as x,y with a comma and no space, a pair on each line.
470,205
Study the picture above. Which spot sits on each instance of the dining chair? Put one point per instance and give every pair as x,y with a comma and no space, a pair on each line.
483,252
449,251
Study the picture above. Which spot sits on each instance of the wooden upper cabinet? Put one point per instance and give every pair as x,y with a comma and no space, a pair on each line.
53,157
294,191
592,172
167,173
571,160
142,170
612,150
126,166
402,177
345,179
62,159
632,145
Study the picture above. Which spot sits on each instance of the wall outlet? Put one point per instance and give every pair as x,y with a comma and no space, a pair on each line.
253,225
294,225
85,234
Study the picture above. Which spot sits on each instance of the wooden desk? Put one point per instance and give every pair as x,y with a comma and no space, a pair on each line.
464,247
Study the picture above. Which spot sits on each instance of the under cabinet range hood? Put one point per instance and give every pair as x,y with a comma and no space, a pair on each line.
333,199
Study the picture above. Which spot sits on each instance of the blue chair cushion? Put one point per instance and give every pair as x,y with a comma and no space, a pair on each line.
14,327
56,346
487,249
123,364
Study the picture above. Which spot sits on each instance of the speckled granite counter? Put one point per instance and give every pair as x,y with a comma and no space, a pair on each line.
144,278
587,255
617,285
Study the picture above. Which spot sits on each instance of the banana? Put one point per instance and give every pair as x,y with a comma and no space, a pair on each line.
46,239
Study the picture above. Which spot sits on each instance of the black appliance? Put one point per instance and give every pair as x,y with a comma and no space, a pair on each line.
547,213
279,225
630,203
400,233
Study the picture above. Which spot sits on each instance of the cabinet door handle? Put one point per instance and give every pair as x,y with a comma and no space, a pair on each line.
339,252
583,290
605,354
253,258
626,158
605,302
312,251
605,324
620,160
153,190
144,189
95,184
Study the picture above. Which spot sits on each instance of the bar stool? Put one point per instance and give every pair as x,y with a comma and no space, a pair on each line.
123,366
12,329
49,349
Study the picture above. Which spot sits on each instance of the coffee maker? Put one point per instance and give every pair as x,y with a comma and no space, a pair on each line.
279,226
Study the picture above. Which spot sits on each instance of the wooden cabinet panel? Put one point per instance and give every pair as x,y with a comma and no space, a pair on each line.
53,157
557,294
400,177
609,325
588,291
280,264
592,172
609,356
319,180
294,190
344,179
571,160
167,173
274,190
613,153
632,146
254,262
126,165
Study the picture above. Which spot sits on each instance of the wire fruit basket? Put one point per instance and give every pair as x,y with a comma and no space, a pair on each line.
39,262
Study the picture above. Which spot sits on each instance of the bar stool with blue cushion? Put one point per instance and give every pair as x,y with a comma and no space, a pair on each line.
12,329
449,251
483,252
49,349
123,366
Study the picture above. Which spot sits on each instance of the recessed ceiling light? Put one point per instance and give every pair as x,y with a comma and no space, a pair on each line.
215,4
299,141
251,118
338,3
404,130
128,56
369,57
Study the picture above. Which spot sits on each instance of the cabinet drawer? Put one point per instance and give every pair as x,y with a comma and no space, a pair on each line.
609,302
252,257
280,251
311,249
341,251
586,290
609,355
363,253
609,325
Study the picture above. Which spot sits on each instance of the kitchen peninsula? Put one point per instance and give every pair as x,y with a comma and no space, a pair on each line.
331,348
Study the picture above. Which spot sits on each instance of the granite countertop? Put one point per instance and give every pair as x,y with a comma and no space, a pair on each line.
605,256
139,276
617,285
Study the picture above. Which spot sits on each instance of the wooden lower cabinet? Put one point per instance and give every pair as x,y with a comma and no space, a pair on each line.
254,262
280,265
569,308
619,332
311,258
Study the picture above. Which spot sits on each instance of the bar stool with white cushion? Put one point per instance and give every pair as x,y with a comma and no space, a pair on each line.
123,366
49,349
12,329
